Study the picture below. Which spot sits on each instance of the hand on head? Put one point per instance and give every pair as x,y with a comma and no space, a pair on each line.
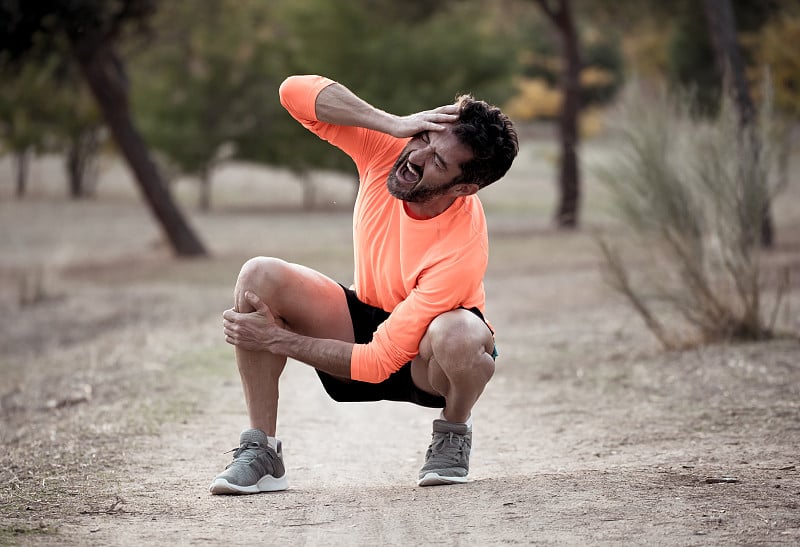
427,120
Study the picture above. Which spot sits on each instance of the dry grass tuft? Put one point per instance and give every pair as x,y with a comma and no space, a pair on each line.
692,194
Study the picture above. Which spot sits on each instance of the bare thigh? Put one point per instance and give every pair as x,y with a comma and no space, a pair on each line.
306,301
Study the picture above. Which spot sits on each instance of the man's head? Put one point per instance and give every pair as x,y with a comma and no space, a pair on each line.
469,154
491,137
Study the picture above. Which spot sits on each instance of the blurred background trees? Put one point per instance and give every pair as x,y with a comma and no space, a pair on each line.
692,192
209,91
25,123
195,84
89,32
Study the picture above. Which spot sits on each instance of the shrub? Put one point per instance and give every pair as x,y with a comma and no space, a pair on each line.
691,193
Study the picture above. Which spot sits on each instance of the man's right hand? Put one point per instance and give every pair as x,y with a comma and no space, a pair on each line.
428,120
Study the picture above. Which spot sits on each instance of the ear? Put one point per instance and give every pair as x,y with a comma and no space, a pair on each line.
465,189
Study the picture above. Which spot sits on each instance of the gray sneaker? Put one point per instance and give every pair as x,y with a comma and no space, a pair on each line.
447,458
256,467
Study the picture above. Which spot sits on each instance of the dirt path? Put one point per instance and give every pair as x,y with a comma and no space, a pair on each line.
577,441
119,399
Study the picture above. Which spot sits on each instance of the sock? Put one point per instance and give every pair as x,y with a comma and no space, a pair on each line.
468,422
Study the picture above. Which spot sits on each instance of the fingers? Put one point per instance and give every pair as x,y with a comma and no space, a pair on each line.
237,335
439,126
256,302
244,330
230,315
442,115
253,299
449,109
229,329
427,120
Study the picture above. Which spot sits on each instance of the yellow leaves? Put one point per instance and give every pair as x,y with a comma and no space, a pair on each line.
773,50
590,122
645,50
534,99
537,100
596,77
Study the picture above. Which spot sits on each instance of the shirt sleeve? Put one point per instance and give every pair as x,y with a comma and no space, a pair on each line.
298,95
441,288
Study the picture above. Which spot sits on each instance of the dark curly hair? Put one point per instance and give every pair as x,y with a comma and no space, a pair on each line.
490,135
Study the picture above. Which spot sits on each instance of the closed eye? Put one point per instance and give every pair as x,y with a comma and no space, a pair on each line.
438,161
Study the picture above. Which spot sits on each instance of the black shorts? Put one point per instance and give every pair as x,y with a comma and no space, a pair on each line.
399,386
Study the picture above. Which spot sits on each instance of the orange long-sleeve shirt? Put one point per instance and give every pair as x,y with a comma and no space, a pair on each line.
414,269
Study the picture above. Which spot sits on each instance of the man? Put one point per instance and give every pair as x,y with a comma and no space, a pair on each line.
412,327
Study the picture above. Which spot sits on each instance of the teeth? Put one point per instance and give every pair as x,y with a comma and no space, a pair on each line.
412,169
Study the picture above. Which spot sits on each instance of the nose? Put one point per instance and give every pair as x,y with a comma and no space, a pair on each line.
420,156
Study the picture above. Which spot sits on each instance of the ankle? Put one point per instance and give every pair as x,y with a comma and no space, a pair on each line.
467,421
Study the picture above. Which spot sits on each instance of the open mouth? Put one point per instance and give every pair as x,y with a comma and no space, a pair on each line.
408,173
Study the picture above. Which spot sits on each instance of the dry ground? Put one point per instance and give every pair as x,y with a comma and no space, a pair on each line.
119,397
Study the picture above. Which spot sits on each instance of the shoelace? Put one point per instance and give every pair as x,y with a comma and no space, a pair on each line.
242,447
443,448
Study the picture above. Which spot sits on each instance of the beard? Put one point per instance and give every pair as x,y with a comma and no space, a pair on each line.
417,193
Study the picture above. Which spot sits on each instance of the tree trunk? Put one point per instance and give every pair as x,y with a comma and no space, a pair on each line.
204,201
81,159
23,162
105,75
722,29
569,174
309,190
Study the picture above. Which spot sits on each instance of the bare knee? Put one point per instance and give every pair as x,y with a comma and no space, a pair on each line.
461,343
262,275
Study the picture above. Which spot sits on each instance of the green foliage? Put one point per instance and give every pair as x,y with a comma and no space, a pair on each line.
602,71
24,24
202,86
44,105
24,103
41,81
403,64
692,193
690,59
211,83
691,64
604,54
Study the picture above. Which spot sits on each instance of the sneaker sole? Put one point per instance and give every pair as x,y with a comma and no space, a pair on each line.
266,484
435,479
